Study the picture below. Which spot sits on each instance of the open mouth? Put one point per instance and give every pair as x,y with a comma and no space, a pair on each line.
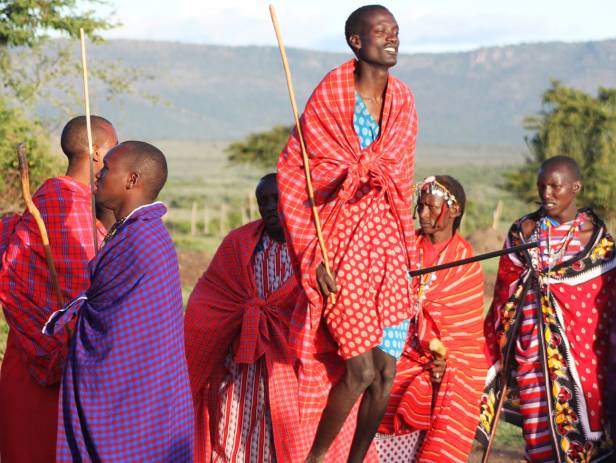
391,50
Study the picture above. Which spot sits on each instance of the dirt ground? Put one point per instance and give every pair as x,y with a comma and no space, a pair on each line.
192,266
497,455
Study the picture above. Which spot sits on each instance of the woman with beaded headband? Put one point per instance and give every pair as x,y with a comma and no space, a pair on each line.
432,413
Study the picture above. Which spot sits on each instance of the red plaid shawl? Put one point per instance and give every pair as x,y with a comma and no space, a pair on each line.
339,167
224,312
26,293
7,227
453,312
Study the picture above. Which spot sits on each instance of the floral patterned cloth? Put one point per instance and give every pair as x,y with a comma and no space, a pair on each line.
575,302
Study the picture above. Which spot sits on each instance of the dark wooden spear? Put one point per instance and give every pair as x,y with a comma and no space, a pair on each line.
470,260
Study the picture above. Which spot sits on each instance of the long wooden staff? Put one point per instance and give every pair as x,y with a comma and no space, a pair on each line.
34,212
313,206
86,97
497,412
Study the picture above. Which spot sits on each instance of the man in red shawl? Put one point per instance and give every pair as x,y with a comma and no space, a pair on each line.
359,127
237,326
433,410
548,327
32,364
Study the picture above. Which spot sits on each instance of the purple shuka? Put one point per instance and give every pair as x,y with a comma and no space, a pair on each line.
125,390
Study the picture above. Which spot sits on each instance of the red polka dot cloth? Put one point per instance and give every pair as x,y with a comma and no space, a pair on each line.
364,199
361,195
398,449
367,129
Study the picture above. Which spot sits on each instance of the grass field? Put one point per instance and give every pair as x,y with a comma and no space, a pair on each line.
199,174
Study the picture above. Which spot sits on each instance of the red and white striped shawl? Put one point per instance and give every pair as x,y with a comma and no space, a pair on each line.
453,312
339,166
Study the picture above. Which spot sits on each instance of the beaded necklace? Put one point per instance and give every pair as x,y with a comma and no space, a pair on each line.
112,231
550,255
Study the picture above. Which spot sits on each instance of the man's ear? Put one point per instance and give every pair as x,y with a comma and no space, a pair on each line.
97,154
577,186
355,42
132,180
454,211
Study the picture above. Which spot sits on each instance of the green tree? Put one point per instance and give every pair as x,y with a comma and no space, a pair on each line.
28,22
35,69
576,124
30,66
261,148
15,128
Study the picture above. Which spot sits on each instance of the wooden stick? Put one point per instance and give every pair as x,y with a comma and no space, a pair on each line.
35,213
315,212
497,412
86,97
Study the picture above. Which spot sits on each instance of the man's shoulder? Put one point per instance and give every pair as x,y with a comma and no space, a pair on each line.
61,188
525,225
400,86
251,230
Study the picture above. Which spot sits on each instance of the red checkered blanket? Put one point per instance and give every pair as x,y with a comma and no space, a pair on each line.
225,312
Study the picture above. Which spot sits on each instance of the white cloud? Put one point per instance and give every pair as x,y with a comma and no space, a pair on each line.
436,25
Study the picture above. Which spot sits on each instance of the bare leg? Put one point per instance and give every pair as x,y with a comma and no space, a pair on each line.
359,375
373,405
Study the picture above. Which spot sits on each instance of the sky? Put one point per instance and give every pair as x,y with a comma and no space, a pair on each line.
425,26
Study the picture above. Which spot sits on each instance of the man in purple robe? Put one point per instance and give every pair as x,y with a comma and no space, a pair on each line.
125,394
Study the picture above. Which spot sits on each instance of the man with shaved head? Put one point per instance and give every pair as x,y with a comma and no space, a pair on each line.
125,394
239,360
32,365
359,129
548,326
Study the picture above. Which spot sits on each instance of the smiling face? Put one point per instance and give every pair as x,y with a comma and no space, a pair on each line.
377,41
267,199
558,188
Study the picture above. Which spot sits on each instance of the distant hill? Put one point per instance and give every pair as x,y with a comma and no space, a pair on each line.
222,93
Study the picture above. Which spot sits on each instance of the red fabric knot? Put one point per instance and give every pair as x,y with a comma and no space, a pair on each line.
261,333
367,169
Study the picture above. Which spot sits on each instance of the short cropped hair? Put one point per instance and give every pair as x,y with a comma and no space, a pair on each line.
562,161
149,162
74,138
353,23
